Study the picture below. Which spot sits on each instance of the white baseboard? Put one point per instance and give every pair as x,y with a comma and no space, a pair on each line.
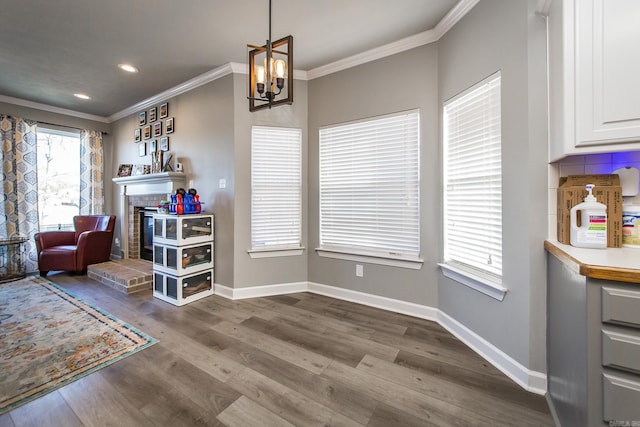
535,382
260,291
403,307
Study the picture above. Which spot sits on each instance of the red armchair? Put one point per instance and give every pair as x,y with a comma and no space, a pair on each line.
90,243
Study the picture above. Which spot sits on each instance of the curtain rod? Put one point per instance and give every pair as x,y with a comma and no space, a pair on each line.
68,127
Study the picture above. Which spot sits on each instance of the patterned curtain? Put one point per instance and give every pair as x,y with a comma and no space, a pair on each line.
19,207
91,173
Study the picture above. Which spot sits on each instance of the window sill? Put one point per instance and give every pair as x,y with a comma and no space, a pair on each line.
402,262
481,284
272,253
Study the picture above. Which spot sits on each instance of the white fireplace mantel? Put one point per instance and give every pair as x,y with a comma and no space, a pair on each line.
142,185
155,183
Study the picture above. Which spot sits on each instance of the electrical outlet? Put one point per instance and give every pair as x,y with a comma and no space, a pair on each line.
359,270
222,183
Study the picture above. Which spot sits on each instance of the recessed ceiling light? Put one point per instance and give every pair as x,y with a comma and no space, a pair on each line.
81,96
128,68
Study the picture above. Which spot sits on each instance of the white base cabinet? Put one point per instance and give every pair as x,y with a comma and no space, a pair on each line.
183,257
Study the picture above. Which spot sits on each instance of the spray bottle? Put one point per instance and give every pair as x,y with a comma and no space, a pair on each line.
592,232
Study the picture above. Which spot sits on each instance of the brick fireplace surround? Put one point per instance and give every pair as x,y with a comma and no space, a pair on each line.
138,192
130,273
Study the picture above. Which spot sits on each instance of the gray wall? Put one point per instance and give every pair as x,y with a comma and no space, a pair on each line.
400,82
507,36
204,141
265,271
213,140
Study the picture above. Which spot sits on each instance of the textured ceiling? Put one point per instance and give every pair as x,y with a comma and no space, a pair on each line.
50,50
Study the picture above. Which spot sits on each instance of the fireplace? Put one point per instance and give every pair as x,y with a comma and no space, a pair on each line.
145,231
137,193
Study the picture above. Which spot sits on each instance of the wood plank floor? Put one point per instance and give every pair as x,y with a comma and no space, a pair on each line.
294,360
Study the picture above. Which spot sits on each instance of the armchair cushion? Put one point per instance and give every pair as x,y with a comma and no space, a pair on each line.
90,243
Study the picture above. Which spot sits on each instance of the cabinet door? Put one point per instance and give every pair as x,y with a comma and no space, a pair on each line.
608,66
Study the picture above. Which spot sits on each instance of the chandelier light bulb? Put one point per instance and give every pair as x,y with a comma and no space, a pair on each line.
281,68
260,75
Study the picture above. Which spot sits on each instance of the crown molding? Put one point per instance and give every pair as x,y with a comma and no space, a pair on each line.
411,42
456,14
193,83
379,52
52,109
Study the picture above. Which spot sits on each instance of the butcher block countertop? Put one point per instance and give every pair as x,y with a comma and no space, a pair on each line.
620,264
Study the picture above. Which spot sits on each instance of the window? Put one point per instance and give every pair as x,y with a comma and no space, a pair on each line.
370,189
472,181
276,191
58,178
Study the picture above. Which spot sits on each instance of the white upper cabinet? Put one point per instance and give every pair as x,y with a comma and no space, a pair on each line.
594,76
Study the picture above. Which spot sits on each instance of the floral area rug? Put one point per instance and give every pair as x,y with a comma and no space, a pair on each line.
49,338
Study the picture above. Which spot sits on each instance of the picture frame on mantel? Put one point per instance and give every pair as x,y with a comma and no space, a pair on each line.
124,170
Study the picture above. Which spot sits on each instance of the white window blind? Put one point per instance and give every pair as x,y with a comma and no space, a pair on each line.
473,179
276,188
370,186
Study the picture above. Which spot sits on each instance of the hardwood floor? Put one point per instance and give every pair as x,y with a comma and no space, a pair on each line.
299,359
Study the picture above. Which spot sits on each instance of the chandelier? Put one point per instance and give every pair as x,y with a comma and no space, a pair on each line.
271,72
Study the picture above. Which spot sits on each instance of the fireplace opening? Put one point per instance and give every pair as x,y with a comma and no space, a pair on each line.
146,233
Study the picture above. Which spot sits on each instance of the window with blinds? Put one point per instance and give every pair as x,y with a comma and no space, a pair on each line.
472,180
276,188
370,186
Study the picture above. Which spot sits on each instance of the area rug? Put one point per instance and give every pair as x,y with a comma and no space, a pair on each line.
49,338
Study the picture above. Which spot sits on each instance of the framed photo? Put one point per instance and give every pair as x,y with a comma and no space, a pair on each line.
168,125
142,149
139,170
124,170
142,118
157,129
164,110
152,146
147,169
152,114
137,135
147,131
164,143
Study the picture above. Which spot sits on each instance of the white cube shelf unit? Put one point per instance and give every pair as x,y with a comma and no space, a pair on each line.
183,257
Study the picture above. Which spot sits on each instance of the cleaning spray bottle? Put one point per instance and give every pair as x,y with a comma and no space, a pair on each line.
592,232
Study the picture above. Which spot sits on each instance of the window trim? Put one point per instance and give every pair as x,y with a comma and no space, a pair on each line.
373,256
482,281
283,249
